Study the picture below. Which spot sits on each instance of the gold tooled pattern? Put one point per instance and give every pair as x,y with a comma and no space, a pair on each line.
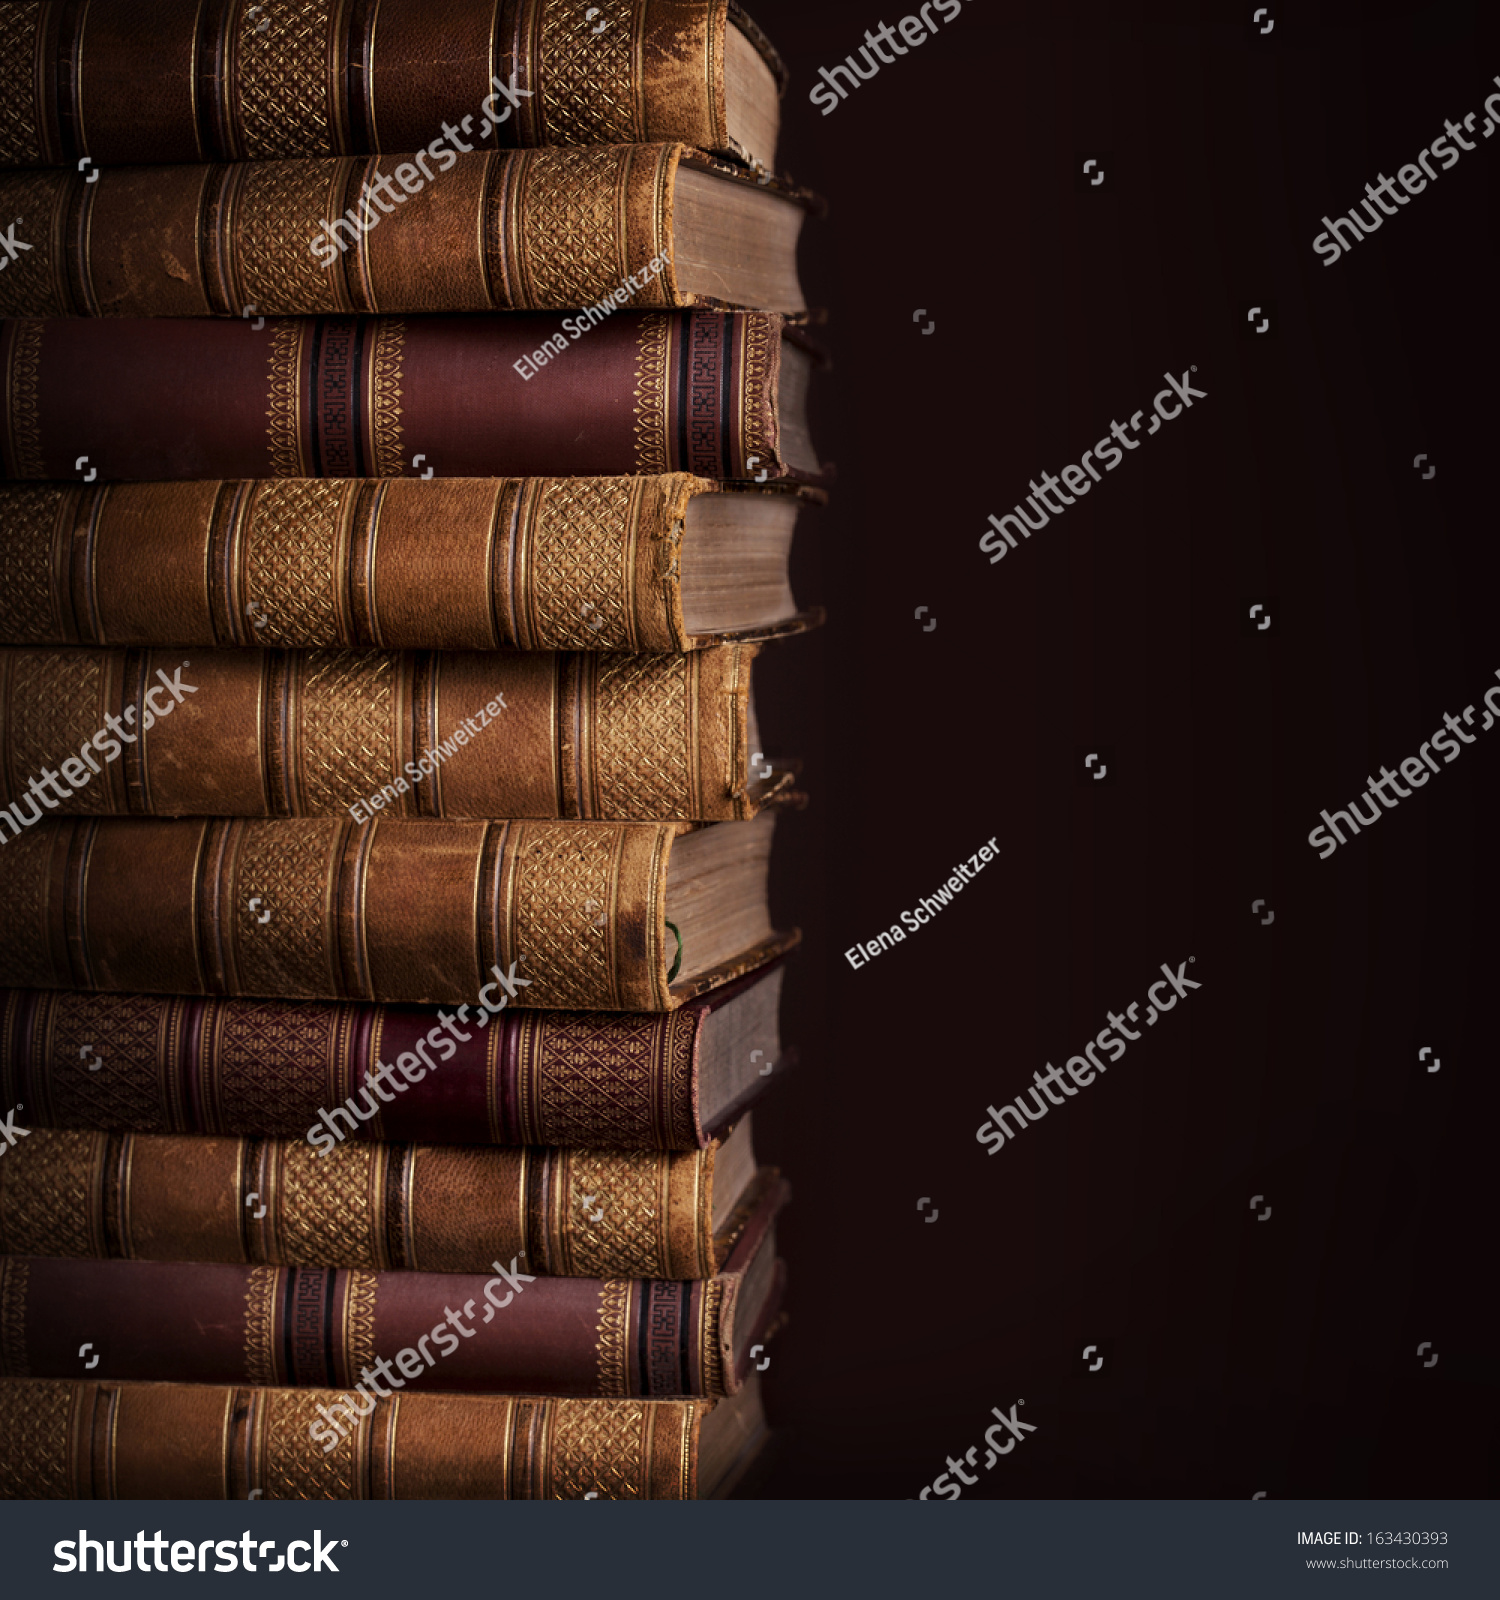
642,735
324,1215
47,1194
711,1336
573,250
587,87
25,398
579,565
13,1277
34,283
55,707
20,138
289,560
359,1324
284,393
631,1236
29,611
36,1423
260,1326
755,401
563,876
285,865
612,1336
293,1465
273,1061
385,396
590,1082
598,1447
347,740
123,1033
24,863
277,210
282,82
652,394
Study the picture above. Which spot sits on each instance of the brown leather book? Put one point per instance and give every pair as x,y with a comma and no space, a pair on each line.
649,226
661,563
416,1207
504,1329
718,393
600,916
189,1441
287,1069
203,80
258,733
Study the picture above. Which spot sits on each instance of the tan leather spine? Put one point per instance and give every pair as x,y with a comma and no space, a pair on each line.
412,911
179,1441
451,563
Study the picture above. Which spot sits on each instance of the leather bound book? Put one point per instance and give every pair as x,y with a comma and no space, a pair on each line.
526,230
205,80
256,733
287,1069
601,916
718,393
503,1330
421,1208
188,1441
639,563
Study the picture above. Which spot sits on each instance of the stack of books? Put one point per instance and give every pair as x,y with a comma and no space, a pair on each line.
407,431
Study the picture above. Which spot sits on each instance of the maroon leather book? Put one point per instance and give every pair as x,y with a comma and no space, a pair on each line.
721,394
336,1328
284,1069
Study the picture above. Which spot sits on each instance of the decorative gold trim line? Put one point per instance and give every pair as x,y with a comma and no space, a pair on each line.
285,394
651,394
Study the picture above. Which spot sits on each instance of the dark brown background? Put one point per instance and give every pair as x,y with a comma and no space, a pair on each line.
1240,1356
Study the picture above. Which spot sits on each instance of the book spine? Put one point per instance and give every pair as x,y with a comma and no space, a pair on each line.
414,912
180,1441
542,230
300,1327
273,733
425,1208
530,563
338,397
281,1069
212,81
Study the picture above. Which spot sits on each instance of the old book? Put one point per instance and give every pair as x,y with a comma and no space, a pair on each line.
179,81
287,1069
717,393
605,916
189,1441
501,1329
247,733
415,1207
650,226
671,562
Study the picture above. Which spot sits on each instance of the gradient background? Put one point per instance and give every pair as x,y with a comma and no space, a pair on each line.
1239,1356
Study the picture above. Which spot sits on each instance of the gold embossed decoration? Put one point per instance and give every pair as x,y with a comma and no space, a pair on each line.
576,571
643,729
289,560
385,397
284,393
560,873
14,1275
23,383
293,1465
612,1337
273,1060
274,213
56,704
36,1423
261,1366
34,282
573,250
359,1324
131,1095
324,1217
631,1235
29,603
24,864
652,398
285,866
348,738
283,107
586,88
598,1447
47,1203
20,138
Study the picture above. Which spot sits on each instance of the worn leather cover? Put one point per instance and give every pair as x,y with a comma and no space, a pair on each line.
268,1069
449,564
256,733
415,911
503,231
337,397
184,1441
421,1207
203,1322
201,80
